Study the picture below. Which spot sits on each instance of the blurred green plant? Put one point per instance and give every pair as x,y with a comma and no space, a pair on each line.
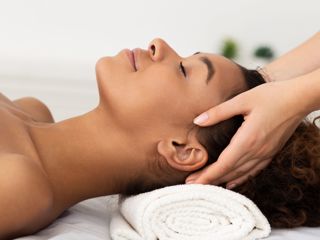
229,48
264,52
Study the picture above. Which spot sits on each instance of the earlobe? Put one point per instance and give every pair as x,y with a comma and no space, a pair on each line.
183,157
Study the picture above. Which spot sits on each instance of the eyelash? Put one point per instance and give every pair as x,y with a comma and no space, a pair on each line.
183,70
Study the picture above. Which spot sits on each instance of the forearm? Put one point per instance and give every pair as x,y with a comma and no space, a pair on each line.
301,60
307,88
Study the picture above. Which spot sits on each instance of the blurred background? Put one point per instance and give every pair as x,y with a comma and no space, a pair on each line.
48,49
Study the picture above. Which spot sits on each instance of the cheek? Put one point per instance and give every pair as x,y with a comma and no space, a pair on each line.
145,100
149,103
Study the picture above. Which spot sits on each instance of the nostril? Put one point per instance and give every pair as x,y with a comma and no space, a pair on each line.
153,49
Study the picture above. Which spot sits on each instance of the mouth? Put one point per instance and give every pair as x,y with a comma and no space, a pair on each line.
131,58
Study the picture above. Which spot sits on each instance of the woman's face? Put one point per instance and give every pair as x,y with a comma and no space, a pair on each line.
162,91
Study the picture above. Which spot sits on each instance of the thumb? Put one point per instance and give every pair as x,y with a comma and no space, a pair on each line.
193,176
221,112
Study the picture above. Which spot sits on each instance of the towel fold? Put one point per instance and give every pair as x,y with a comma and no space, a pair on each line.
188,212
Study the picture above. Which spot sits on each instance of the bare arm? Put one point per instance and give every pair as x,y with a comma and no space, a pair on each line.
301,60
252,148
309,86
271,111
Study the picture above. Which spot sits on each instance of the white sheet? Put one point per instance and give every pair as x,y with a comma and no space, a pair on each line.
89,220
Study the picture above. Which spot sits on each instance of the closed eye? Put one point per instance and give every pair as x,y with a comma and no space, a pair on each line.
183,70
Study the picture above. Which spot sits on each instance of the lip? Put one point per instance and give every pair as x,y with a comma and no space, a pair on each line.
131,58
136,55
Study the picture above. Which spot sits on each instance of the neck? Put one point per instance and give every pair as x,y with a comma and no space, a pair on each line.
85,156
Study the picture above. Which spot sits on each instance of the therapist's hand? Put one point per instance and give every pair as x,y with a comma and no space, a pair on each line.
272,112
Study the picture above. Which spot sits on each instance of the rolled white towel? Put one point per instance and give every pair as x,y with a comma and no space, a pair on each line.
188,212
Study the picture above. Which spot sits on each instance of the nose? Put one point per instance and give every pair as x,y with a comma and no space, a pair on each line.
159,49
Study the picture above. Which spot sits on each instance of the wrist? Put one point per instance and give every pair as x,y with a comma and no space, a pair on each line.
306,89
265,74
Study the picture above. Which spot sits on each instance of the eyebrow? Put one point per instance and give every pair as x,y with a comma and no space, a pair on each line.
209,66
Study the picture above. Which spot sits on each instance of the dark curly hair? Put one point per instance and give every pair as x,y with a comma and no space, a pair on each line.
287,191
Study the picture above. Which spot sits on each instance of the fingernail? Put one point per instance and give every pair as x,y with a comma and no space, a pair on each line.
201,118
233,185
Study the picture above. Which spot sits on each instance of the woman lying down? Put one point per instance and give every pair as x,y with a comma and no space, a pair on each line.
141,137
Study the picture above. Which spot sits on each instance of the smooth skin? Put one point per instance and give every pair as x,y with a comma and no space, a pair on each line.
271,111
22,179
143,114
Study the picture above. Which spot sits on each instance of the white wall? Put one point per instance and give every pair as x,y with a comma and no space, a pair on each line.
48,49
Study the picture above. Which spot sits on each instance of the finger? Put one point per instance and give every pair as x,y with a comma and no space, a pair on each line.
225,163
238,172
191,178
235,151
220,112
254,172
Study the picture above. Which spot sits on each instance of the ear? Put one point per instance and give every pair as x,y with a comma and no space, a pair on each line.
188,156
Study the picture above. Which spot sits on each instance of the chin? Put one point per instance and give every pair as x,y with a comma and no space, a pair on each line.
112,76
103,69
102,64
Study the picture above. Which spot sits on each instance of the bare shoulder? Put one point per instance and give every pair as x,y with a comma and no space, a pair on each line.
38,110
25,196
